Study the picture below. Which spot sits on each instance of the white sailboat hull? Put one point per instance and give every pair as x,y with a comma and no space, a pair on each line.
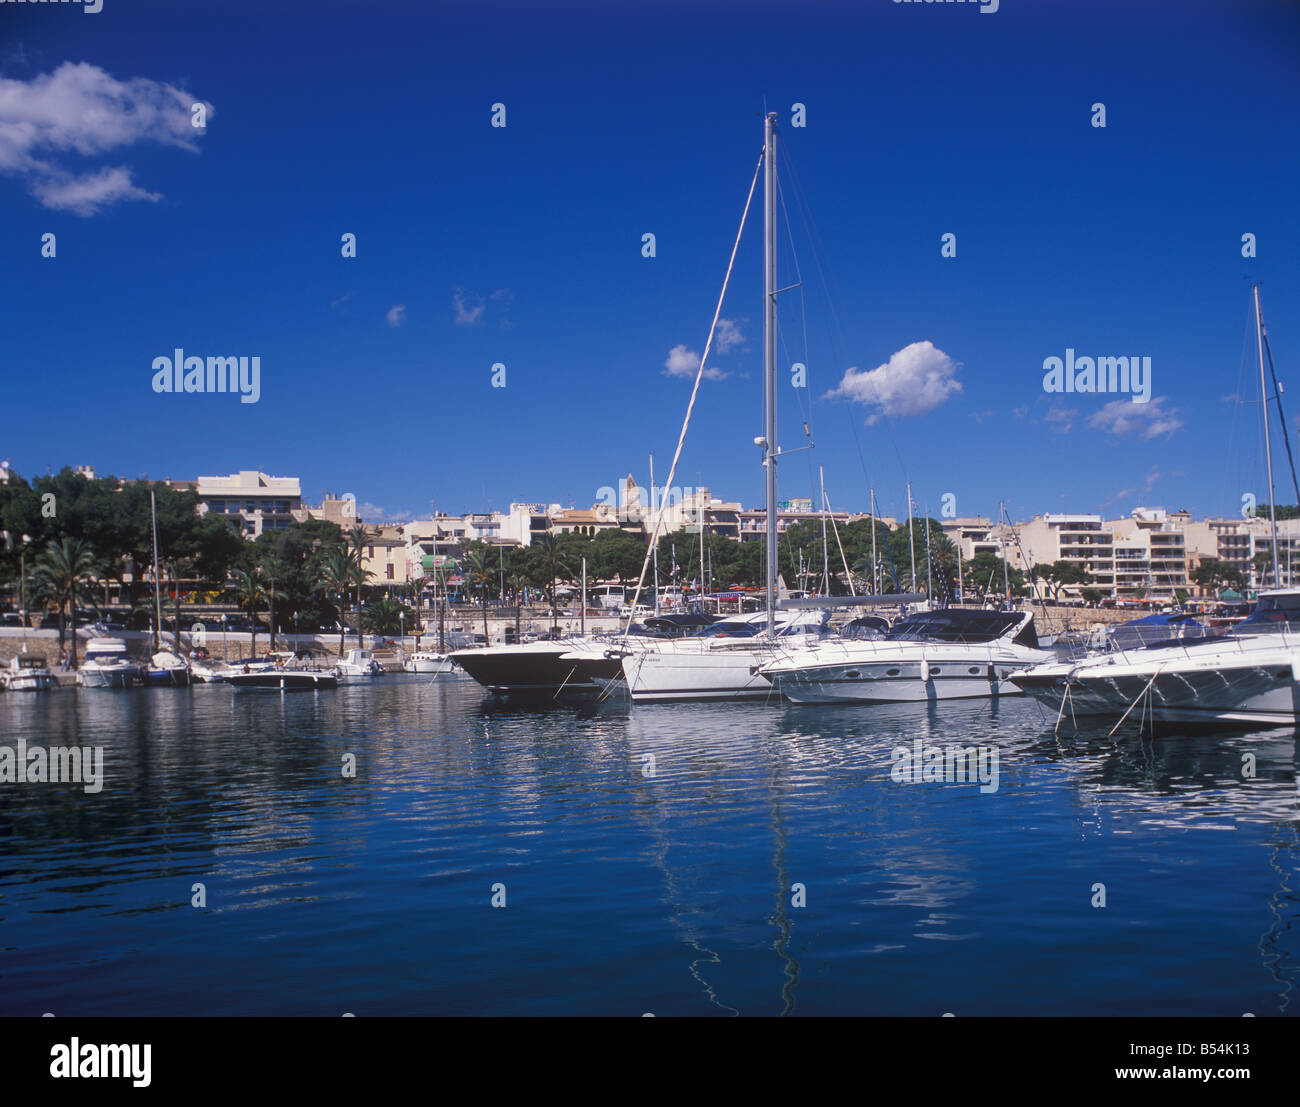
666,676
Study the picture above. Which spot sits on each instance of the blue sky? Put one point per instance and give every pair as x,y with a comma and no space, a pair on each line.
522,245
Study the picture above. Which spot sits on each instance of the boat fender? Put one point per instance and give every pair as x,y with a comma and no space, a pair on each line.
925,671
993,673
1295,671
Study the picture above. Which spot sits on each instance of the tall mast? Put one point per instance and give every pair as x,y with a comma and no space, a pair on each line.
911,537
699,595
1268,449
826,557
1003,521
961,584
654,523
769,354
875,574
157,596
929,587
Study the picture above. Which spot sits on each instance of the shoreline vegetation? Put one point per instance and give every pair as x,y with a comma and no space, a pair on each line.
76,549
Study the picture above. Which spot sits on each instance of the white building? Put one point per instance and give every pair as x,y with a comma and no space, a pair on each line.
253,501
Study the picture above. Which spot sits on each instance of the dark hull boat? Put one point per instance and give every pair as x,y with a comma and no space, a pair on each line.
285,681
531,669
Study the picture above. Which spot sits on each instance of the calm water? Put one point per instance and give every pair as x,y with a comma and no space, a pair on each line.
627,893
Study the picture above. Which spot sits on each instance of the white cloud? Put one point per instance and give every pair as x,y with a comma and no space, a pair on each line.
396,315
1146,421
374,513
915,380
726,335
1062,416
81,110
468,310
682,362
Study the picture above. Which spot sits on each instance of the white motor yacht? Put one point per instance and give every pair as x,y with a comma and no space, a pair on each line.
720,662
1249,675
107,665
952,653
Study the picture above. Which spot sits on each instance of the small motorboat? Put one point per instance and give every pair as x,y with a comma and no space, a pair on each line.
205,668
427,661
285,680
359,664
167,670
289,673
28,672
108,665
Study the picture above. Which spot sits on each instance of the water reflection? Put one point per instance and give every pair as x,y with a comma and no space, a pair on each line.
650,854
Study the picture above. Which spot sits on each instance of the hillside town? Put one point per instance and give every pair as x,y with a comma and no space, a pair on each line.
1152,555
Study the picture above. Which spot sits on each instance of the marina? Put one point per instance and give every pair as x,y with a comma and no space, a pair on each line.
729,512
456,792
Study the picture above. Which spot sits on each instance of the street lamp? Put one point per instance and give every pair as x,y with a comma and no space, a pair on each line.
225,649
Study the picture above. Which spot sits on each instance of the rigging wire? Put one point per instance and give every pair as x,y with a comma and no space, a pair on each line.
695,389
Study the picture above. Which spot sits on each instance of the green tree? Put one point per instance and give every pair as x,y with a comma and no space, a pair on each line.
62,570
337,571
481,571
550,559
385,616
1060,573
249,594
518,583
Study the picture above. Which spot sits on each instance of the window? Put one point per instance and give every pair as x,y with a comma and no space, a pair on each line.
389,567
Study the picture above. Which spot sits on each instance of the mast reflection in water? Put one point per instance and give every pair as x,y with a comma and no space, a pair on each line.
679,860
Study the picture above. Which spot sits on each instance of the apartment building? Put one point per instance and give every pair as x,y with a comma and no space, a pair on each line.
252,501
384,556
1085,541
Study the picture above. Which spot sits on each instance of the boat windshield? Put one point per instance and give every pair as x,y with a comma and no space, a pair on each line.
730,628
954,626
1272,615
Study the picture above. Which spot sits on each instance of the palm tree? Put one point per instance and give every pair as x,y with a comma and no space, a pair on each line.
518,582
249,593
339,571
552,562
63,568
357,540
480,571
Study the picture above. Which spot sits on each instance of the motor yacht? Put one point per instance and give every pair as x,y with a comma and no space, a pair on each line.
952,653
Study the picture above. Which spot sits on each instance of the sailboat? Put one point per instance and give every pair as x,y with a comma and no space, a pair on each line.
722,662
1249,675
166,667
433,661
